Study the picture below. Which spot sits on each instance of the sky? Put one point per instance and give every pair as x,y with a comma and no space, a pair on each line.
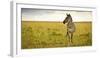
30,14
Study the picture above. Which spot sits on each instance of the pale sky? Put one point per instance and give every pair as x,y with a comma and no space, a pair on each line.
29,14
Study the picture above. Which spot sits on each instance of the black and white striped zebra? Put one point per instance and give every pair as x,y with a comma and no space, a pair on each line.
70,27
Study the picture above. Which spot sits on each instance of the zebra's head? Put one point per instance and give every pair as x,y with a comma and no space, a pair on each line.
67,19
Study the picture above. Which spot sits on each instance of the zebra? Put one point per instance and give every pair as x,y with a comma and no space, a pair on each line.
70,27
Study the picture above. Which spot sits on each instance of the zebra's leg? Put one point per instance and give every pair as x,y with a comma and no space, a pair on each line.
71,38
68,35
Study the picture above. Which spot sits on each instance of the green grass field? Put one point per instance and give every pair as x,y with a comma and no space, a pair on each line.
53,34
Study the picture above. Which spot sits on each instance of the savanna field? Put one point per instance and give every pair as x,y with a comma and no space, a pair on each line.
35,34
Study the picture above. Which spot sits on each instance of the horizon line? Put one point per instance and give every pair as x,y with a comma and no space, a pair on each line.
54,21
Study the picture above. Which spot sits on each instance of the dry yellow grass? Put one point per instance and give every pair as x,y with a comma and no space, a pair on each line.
53,34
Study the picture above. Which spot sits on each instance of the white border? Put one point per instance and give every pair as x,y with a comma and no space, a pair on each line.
16,28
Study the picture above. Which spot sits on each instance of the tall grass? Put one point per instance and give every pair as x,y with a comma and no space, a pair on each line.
53,34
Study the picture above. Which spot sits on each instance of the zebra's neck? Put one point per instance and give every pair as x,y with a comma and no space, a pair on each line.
70,21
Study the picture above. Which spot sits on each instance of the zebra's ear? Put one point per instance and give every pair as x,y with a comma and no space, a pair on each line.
67,14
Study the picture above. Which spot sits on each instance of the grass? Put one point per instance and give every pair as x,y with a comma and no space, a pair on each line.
53,34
